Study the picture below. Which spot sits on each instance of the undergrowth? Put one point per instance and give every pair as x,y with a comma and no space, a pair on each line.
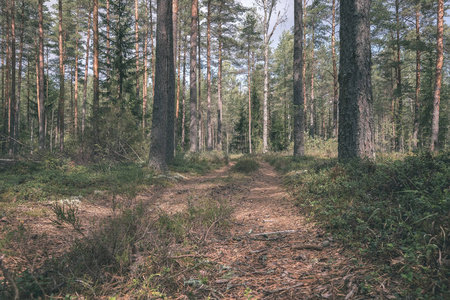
198,163
246,165
133,254
395,213
52,178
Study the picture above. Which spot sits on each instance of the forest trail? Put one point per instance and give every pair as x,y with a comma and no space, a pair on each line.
270,251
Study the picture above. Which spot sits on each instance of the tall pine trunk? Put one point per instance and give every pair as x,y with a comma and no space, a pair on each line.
438,77
75,127
145,75
299,149
356,131
12,108
41,107
417,94
61,80
209,143
219,87
199,72
335,72
165,79
311,99
193,128
96,91
136,45
86,69
398,78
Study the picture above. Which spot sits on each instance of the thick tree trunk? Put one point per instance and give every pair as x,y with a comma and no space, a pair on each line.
311,99
145,75
193,128
219,91
438,77
108,49
335,72
41,107
75,127
165,79
12,108
398,78
136,45
170,147
19,78
96,91
249,84
266,82
86,69
152,49
304,65
199,72
356,133
209,143
183,113
299,148
417,94
61,80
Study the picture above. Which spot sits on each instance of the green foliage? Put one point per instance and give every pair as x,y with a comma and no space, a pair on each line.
55,179
246,165
198,163
394,212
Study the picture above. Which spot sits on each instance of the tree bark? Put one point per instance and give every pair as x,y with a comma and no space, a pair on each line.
335,72
108,49
145,75
170,147
136,45
61,79
311,99
356,133
199,71
164,75
75,127
96,91
152,49
398,77
86,69
209,144
193,128
299,149
12,109
41,107
417,94
219,86
183,113
434,146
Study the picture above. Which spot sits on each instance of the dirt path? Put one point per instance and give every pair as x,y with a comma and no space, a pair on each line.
300,262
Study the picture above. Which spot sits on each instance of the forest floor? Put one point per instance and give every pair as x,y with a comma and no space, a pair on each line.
268,250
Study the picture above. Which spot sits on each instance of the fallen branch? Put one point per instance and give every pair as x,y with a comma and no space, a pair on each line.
9,278
274,232
307,247
285,288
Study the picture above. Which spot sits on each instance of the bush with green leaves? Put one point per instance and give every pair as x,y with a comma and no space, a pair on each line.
245,165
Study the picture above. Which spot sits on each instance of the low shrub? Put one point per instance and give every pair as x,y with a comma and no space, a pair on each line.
131,253
198,163
245,165
394,212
